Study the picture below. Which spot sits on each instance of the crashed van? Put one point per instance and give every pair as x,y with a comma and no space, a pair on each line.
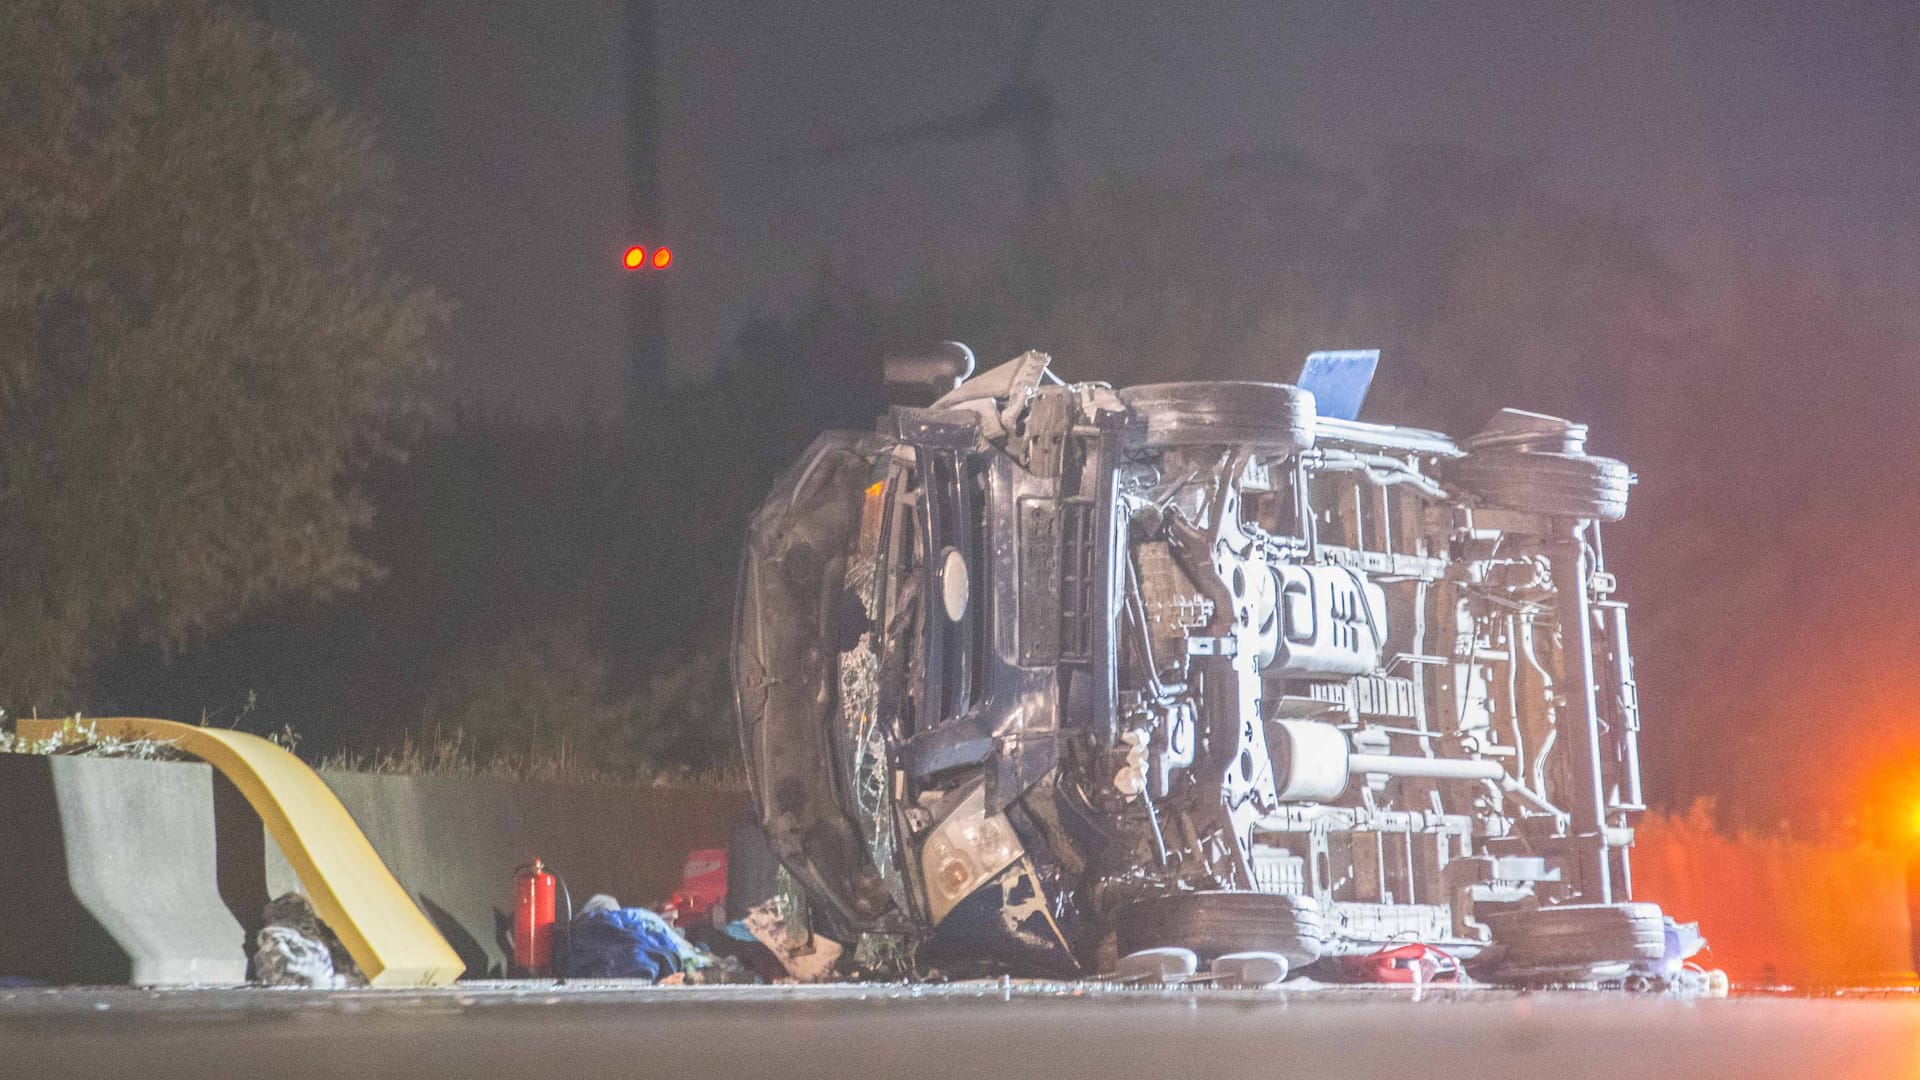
1045,675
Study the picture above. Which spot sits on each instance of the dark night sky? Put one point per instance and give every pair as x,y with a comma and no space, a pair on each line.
1773,543
1743,129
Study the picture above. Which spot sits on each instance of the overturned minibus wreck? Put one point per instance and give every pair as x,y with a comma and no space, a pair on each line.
1046,675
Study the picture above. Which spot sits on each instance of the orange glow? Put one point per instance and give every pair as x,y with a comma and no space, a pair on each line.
662,258
637,257
1885,796
1776,909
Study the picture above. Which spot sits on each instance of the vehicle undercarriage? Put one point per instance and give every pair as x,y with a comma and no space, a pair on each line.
1049,675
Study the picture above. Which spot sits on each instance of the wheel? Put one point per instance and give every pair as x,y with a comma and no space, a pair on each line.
1575,942
1561,485
1269,417
1216,924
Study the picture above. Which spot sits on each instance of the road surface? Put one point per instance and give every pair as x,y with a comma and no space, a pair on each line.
988,1030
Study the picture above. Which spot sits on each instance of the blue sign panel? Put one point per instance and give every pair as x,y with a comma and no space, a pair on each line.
1338,380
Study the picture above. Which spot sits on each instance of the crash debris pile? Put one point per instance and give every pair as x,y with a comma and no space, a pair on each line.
296,949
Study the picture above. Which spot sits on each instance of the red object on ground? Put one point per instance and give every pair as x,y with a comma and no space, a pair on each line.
703,884
1413,962
533,919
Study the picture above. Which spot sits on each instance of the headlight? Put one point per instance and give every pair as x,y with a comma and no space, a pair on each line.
965,851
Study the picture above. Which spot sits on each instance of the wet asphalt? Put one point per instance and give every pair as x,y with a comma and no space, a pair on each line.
989,1030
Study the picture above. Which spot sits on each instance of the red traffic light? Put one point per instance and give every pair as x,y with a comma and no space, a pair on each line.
637,258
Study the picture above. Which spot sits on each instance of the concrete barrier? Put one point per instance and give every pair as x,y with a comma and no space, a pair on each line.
107,874
350,888
155,873
454,844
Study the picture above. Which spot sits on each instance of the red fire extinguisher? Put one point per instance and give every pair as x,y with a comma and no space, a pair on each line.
533,919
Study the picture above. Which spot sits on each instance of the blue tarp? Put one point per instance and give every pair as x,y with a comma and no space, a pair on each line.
624,943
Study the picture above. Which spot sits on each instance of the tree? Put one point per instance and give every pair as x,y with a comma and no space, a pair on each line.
199,348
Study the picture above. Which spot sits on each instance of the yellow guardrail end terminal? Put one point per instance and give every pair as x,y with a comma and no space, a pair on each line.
351,888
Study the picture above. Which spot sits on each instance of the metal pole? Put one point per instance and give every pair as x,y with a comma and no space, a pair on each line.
1426,768
646,298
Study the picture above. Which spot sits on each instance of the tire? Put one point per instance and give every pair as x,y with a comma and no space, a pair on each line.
1268,417
1569,940
1559,485
1216,924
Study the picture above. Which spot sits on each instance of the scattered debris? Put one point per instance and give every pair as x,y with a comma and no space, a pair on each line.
811,958
607,941
296,949
79,736
1414,963
703,887
1250,970
1160,965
